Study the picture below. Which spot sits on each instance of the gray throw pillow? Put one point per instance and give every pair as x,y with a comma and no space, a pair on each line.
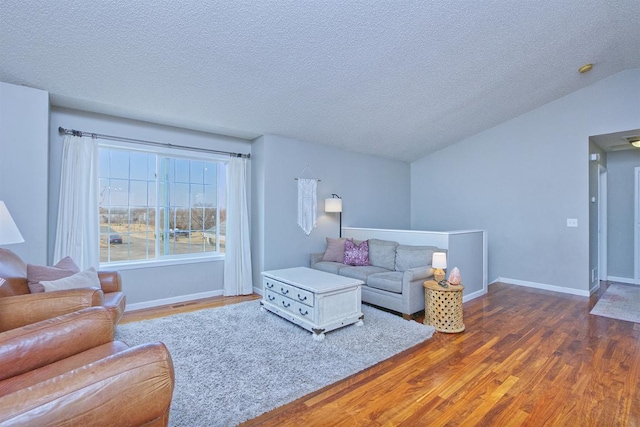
382,253
414,256
85,279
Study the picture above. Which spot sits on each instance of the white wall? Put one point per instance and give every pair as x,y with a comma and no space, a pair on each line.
173,283
620,213
522,179
375,194
24,135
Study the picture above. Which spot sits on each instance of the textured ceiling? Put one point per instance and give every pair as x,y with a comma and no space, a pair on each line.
397,79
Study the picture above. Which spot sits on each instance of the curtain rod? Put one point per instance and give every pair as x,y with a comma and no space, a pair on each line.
74,132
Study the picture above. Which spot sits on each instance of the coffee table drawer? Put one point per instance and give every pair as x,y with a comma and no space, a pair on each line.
278,287
283,303
304,311
272,297
302,296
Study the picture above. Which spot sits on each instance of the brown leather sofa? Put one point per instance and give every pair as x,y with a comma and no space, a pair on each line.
68,370
19,307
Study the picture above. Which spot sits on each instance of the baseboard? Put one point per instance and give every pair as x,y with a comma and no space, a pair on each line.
542,286
594,288
473,295
623,280
258,291
172,300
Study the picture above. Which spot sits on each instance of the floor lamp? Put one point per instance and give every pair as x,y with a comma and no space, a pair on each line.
334,204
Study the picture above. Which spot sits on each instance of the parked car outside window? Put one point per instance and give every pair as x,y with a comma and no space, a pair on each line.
110,236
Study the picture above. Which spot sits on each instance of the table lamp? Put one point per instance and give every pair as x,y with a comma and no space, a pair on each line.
439,262
9,232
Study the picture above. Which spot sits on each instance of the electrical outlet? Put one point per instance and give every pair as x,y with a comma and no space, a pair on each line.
572,222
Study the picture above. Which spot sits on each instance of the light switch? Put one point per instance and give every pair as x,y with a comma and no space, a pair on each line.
572,222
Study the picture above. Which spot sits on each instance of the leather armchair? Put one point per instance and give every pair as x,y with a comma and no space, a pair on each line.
19,307
68,371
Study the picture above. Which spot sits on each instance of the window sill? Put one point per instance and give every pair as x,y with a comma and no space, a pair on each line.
135,265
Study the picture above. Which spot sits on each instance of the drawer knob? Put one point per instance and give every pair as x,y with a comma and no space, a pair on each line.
301,298
269,285
285,304
271,297
284,291
305,312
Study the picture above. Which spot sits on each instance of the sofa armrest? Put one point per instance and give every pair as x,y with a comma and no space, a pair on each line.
21,310
418,273
39,344
315,258
110,281
132,387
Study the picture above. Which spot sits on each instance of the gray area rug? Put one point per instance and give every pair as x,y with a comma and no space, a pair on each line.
620,302
236,362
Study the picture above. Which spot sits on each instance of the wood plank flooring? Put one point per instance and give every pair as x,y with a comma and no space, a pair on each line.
527,358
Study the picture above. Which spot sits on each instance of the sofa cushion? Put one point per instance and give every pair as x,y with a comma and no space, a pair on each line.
335,250
382,253
355,254
389,281
329,266
36,273
413,256
361,273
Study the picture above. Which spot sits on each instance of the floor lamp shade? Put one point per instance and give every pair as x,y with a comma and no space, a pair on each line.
9,232
333,205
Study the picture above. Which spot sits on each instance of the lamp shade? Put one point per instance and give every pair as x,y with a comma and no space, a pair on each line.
333,205
439,260
9,232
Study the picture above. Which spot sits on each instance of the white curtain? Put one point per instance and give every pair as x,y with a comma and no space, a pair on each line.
237,260
78,233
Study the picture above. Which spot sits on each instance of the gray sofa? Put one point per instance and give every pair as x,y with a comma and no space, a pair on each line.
393,279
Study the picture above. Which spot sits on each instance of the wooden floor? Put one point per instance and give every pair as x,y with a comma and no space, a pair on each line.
527,357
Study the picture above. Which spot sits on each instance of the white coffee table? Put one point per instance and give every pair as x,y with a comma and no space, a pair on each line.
317,301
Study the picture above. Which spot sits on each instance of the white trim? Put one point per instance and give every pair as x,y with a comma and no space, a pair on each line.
474,295
258,291
627,280
636,226
444,233
543,286
595,287
163,262
602,224
172,300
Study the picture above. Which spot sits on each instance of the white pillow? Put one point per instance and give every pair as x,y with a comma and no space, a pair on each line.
84,279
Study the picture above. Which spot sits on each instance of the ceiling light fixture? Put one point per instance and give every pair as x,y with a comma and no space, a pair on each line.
634,140
585,68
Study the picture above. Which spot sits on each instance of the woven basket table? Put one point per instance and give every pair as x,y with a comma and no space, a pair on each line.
443,307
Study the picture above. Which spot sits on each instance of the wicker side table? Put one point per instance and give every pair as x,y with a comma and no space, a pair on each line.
443,307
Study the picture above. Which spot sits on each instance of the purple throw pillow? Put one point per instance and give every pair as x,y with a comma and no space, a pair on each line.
35,273
355,254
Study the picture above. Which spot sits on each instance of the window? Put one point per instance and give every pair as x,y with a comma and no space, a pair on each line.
157,206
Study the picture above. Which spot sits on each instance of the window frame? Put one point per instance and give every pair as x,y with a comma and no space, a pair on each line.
178,153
